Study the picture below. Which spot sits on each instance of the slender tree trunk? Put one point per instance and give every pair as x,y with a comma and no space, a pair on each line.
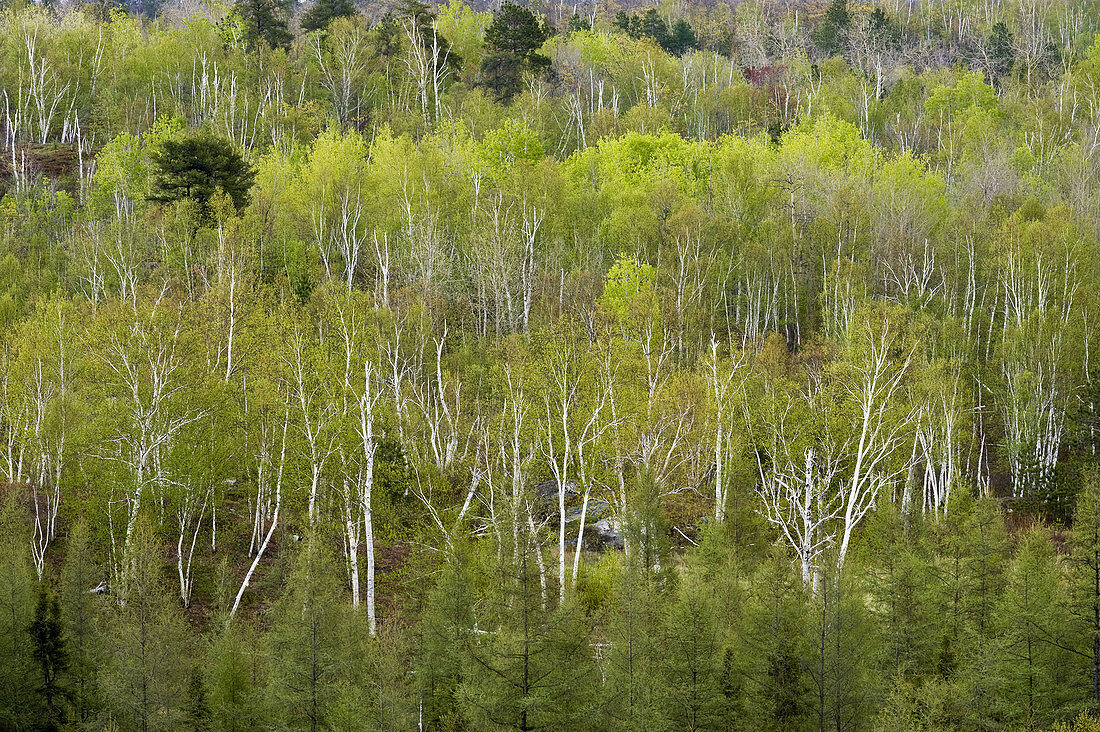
270,529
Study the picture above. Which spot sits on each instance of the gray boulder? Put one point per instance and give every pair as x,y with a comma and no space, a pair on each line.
597,509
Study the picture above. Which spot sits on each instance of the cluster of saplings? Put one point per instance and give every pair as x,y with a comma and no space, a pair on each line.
958,623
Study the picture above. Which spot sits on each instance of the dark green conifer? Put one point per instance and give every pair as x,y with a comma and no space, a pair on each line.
50,655
324,12
195,166
266,22
513,39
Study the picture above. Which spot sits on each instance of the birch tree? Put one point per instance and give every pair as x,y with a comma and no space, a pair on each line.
874,380
437,396
799,461
725,379
194,491
832,468
145,371
938,421
361,395
269,472
575,417
341,56
1039,311
315,413
47,372
334,195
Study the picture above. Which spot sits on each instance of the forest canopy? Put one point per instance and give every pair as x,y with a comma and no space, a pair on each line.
689,366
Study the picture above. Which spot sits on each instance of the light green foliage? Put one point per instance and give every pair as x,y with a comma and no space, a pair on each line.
629,293
964,94
511,146
813,287
123,179
828,143
465,28
1082,723
931,705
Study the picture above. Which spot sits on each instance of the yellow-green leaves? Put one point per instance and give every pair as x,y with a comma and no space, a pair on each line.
960,94
465,28
629,292
509,146
123,172
828,142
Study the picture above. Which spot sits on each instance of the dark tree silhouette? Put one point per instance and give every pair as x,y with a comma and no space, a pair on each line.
829,34
49,653
196,166
514,37
677,40
1002,52
324,12
265,21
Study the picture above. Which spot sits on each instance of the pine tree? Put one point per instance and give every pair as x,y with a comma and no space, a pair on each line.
774,635
984,565
197,713
423,18
842,644
446,632
628,24
646,530
323,12
196,166
19,704
902,581
1031,627
654,26
80,608
950,549
50,655
829,34
691,653
1084,578
681,38
381,689
676,41
1002,52
146,645
529,666
308,649
513,39
974,546
265,22
726,565
232,686
578,23
631,697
